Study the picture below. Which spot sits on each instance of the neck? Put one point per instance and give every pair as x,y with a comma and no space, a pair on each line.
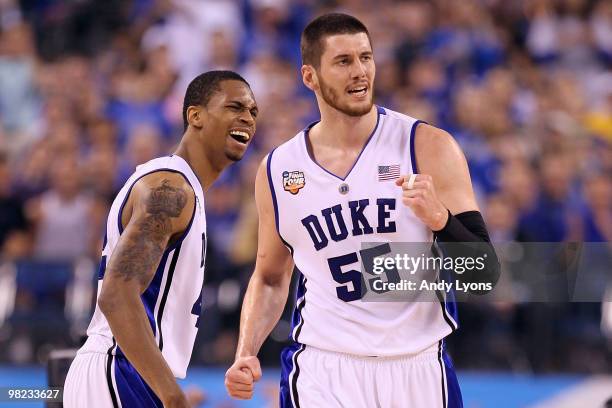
342,130
193,152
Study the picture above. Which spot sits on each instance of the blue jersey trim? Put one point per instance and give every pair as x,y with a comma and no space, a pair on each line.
442,374
446,298
378,114
454,399
413,160
274,202
297,320
132,389
179,241
109,373
120,224
289,364
150,295
164,298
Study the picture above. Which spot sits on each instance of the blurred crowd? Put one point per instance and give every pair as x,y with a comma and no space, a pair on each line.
90,89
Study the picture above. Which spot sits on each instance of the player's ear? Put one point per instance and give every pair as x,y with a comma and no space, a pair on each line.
309,77
195,116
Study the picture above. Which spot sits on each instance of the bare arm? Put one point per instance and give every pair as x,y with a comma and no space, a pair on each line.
443,185
440,156
269,285
266,294
161,207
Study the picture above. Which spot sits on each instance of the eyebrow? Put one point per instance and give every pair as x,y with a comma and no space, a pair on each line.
341,56
243,106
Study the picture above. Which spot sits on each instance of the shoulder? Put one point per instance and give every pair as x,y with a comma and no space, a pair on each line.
164,192
436,145
261,178
290,147
394,116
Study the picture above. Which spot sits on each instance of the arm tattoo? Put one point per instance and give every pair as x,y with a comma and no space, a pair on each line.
143,248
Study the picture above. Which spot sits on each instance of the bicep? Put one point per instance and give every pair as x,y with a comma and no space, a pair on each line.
137,254
161,209
440,156
274,262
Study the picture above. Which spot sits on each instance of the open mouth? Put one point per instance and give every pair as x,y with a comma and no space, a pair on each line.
240,136
359,90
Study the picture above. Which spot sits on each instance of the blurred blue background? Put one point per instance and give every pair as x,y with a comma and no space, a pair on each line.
89,89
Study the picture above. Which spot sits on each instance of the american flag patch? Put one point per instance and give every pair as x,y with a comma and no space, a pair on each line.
388,172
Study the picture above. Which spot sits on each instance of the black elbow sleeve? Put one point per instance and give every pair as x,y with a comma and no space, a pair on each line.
465,237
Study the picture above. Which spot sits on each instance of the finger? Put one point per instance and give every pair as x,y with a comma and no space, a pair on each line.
413,193
237,387
239,376
413,202
400,180
242,395
422,185
241,390
254,366
411,181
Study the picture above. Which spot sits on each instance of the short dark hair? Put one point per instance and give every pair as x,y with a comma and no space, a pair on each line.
203,87
311,43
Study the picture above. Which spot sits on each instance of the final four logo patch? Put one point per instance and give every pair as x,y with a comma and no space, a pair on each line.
293,181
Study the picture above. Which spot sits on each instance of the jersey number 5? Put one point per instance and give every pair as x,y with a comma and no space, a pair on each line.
356,277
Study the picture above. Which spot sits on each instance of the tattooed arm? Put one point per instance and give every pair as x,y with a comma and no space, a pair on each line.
158,209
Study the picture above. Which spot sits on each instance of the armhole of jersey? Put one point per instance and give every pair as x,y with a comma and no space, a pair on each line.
413,160
274,202
127,195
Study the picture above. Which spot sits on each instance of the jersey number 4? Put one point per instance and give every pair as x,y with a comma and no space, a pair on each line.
196,309
339,264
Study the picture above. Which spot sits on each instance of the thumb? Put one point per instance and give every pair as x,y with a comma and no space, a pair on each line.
252,363
400,180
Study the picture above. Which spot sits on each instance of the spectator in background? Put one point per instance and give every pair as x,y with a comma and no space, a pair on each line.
598,209
186,20
136,99
501,218
519,184
143,144
19,102
100,172
553,217
601,28
62,215
14,239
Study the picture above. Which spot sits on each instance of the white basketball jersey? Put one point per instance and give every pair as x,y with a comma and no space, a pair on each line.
173,299
324,219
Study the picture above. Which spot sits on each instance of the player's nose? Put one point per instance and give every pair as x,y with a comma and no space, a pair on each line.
247,118
359,69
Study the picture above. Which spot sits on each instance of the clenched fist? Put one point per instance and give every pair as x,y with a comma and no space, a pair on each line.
419,194
240,378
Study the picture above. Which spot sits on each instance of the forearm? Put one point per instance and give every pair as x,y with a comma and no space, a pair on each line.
261,309
465,235
130,326
468,226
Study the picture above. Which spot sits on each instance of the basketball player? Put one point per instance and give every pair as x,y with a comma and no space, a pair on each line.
319,196
151,273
